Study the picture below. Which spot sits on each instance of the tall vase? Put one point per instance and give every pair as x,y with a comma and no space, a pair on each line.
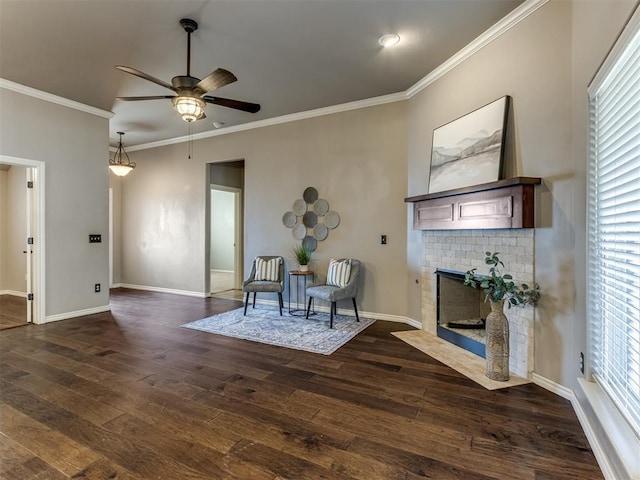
497,343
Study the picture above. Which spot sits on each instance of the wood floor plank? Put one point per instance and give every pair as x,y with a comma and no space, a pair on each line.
130,394
53,448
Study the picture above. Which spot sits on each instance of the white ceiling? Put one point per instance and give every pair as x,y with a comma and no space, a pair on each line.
289,55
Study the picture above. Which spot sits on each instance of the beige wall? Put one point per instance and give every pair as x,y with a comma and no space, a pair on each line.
115,184
544,63
356,160
15,264
74,147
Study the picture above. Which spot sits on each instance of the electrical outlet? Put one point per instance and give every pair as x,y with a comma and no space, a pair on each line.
383,239
97,288
95,238
582,362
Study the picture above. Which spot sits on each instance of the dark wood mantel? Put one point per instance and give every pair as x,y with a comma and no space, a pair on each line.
507,203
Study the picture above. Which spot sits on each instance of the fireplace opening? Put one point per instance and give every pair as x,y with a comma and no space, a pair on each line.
461,312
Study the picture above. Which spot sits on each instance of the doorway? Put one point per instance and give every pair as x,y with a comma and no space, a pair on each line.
225,229
21,241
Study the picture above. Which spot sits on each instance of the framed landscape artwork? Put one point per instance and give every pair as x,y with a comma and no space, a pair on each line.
469,150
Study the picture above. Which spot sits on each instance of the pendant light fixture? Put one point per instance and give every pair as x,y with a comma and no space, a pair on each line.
118,165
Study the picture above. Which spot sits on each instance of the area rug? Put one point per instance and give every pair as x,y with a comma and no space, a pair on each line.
263,324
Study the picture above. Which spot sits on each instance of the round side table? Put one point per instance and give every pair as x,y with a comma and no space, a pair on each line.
298,308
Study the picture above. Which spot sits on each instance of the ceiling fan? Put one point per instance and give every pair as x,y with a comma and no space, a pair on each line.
190,99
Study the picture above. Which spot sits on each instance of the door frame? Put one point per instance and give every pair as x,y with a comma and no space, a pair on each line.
36,221
238,247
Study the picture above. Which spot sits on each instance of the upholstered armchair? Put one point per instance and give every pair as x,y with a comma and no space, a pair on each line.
335,288
267,275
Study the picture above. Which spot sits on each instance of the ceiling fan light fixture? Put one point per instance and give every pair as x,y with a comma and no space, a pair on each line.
389,40
189,108
118,165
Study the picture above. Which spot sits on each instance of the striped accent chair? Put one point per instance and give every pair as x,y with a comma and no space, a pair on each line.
331,292
267,275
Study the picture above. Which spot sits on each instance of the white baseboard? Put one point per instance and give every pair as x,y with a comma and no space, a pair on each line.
349,312
598,449
77,313
553,387
162,290
14,293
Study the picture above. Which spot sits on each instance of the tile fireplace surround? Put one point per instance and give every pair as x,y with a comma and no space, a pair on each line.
461,250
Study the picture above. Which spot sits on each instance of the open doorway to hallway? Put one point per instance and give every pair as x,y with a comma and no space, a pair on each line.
226,229
21,246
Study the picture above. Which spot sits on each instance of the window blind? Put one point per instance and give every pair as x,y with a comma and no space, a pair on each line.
614,225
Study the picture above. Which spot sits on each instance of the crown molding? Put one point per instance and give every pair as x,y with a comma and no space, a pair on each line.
48,97
293,117
504,25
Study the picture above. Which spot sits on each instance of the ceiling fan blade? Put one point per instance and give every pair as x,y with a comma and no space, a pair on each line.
146,76
216,79
237,104
151,97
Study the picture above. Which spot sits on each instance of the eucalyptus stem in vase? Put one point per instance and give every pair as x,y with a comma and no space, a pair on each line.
499,288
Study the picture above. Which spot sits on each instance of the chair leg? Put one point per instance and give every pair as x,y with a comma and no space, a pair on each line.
280,302
355,308
246,303
309,306
254,299
333,307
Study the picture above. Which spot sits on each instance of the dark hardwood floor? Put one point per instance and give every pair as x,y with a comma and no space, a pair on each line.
13,311
132,395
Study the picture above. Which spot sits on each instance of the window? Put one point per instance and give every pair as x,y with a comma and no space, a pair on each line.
614,225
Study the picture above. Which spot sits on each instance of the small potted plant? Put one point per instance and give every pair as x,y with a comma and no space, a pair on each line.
302,253
498,288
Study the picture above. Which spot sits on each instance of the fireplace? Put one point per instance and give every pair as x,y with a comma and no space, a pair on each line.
461,312
460,250
458,227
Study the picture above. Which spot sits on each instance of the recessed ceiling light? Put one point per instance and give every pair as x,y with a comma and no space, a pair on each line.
389,40
218,124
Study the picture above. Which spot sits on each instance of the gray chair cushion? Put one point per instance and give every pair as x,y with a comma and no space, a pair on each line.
333,294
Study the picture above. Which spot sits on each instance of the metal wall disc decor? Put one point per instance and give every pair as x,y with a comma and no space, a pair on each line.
310,195
320,232
310,219
299,207
332,219
310,243
289,219
321,207
299,231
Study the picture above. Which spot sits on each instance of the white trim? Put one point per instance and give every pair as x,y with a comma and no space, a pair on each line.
553,387
624,442
213,270
607,415
14,293
48,97
77,313
347,312
293,117
504,25
630,30
147,288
